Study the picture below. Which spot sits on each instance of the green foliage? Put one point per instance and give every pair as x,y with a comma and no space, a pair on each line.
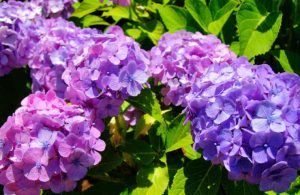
197,177
258,28
151,180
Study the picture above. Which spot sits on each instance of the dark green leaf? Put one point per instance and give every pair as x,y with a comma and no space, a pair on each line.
197,178
140,151
258,28
110,160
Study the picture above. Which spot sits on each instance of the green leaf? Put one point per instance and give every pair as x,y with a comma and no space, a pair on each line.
190,153
134,33
288,60
178,134
148,103
198,177
151,180
258,28
154,29
121,12
176,18
220,14
91,20
242,188
86,7
140,151
143,125
203,17
235,47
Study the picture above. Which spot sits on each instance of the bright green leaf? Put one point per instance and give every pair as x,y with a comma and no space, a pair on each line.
197,177
178,135
91,20
151,181
86,7
140,151
220,15
134,33
258,28
154,29
190,153
288,60
143,125
176,18
200,13
121,12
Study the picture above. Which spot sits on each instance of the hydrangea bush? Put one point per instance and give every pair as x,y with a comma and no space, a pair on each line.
247,118
177,109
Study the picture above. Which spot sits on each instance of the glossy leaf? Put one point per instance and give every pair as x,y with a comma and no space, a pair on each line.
151,180
258,28
288,60
197,177
178,135
140,151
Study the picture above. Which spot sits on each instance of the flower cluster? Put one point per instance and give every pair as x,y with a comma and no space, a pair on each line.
13,36
55,50
121,2
108,69
248,119
180,58
55,8
46,144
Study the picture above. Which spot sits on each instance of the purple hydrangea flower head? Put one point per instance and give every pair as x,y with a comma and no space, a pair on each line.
246,118
56,50
180,58
48,143
14,46
55,8
108,69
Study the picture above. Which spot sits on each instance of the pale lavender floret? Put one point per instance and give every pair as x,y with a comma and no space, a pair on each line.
48,143
180,58
246,118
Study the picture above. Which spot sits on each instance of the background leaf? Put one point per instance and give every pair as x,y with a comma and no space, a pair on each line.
176,18
197,177
288,60
140,151
258,28
178,134
151,180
